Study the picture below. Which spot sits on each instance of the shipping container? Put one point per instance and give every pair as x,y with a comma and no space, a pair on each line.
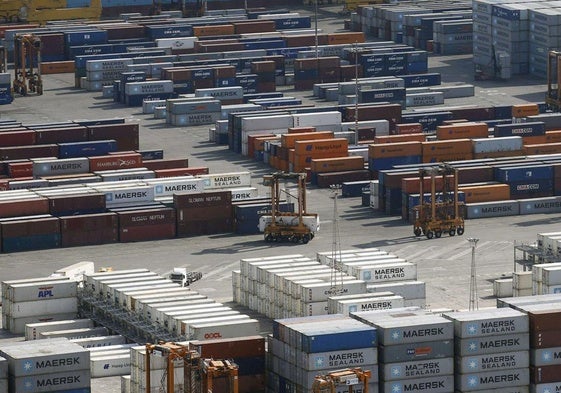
33,330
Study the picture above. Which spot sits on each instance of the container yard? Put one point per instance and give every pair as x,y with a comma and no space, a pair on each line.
146,151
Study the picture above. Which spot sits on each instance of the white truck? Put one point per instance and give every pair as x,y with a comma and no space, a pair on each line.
181,276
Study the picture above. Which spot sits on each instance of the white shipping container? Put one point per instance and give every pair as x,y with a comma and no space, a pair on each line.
245,263
103,285
126,384
158,314
64,381
166,186
407,289
110,366
522,280
44,308
232,329
384,273
321,291
226,180
146,305
492,145
119,294
74,334
46,290
100,341
77,270
17,325
265,123
90,279
126,195
549,289
502,287
317,119
33,330
310,221
551,275
243,193
369,304
149,87
95,351
176,42
134,297
324,255
108,64
180,321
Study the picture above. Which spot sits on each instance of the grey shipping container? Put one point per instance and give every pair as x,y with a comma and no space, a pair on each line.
492,344
493,379
63,381
416,351
417,369
495,361
439,384
488,322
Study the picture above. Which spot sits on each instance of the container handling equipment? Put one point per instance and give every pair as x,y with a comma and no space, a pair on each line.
553,95
355,379
199,374
27,64
292,231
442,212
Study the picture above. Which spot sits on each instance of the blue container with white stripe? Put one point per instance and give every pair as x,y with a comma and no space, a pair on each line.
503,111
29,243
86,149
524,173
100,49
264,44
429,121
85,37
148,155
300,22
246,217
520,129
422,80
168,31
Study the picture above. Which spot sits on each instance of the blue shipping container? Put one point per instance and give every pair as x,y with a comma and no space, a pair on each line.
354,188
336,340
382,95
74,51
85,37
523,173
503,112
136,100
520,129
422,80
86,149
168,31
529,188
429,121
301,22
28,243
148,155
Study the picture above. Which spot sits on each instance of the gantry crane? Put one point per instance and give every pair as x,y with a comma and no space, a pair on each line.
27,60
42,11
355,379
287,226
199,374
441,213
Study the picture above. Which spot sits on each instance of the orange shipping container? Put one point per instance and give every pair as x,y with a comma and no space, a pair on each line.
57,67
534,140
317,148
546,148
205,31
553,136
304,160
445,157
486,193
251,142
338,164
400,138
400,149
408,128
412,185
524,110
457,146
288,140
345,38
462,130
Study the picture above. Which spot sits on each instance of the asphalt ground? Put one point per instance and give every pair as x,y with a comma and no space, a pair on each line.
444,264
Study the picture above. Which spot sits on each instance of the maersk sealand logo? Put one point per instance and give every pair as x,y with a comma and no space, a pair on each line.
472,364
396,335
159,189
472,346
472,381
547,356
319,362
28,366
395,371
396,388
28,384
472,329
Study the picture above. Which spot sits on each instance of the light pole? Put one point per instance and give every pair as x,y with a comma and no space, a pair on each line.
473,302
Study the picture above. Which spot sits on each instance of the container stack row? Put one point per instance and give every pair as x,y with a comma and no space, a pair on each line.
514,37
55,365
165,305
301,348
37,300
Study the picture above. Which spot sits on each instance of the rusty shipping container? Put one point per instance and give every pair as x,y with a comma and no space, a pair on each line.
62,135
17,138
400,138
147,224
337,164
23,207
289,140
486,193
125,134
69,205
173,172
167,163
35,151
399,149
462,130
89,229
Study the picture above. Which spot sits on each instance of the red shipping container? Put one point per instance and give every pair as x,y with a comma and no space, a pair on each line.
78,203
147,224
545,374
166,163
125,134
325,180
408,128
242,347
31,227
89,229
17,138
62,135
193,171
21,152
203,199
115,161
20,169
23,207
205,227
